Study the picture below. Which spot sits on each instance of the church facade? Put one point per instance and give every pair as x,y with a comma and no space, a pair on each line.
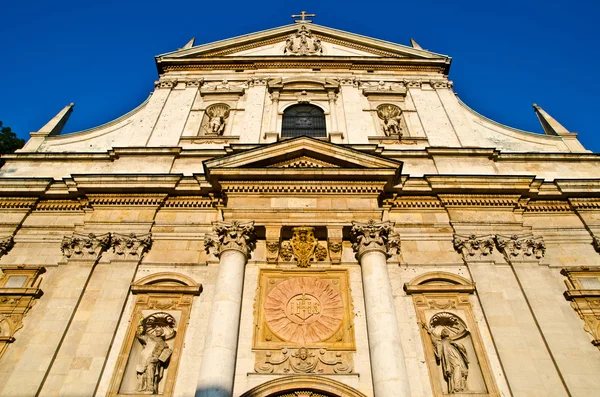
300,212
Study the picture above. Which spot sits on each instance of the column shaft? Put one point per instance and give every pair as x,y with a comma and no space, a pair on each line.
220,349
388,368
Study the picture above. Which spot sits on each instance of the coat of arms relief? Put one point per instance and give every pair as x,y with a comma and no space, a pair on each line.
304,323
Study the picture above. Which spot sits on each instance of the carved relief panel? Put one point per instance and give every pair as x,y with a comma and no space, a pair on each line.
454,351
303,322
149,358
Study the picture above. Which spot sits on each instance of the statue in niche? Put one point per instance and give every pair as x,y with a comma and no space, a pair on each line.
444,329
154,357
214,120
391,116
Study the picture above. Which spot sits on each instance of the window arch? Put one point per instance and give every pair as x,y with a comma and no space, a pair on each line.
303,119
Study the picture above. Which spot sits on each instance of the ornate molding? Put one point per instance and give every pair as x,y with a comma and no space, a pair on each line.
6,243
374,236
194,82
335,250
480,200
17,202
303,187
126,199
303,361
272,251
168,84
410,202
521,247
471,245
85,246
238,236
192,202
303,247
131,246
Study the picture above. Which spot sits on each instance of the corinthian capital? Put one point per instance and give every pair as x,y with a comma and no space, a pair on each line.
374,236
236,235
6,244
85,246
131,246
471,245
521,247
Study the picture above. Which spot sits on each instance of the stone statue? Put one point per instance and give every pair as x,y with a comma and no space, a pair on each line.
391,126
217,124
452,356
152,359
214,120
391,115
303,43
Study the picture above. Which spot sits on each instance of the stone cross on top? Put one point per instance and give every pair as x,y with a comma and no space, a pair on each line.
303,15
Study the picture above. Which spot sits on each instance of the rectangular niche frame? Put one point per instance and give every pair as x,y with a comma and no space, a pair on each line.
160,292
447,292
342,340
584,297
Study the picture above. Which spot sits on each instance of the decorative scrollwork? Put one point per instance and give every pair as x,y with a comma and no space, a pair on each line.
236,235
131,245
470,245
524,246
304,361
303,246
374,236
85,245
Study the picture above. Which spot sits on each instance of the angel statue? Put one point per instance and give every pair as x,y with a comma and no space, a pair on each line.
452,356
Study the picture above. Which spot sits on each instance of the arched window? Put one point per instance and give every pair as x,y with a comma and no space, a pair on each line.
306,120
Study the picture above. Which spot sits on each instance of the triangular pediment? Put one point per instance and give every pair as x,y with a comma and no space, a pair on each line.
273,42
303,158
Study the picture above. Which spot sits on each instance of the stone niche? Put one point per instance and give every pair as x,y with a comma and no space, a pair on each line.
454,351
583,292
303,323
19,291
149,358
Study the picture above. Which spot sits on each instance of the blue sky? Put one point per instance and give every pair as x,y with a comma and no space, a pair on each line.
100,54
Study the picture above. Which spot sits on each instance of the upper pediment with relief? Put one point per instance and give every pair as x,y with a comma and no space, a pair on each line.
302,39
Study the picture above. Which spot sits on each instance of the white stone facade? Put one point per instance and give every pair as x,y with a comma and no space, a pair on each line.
486,216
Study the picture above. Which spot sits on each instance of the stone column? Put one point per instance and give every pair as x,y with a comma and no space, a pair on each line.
272,134
372,243
332,111
233,244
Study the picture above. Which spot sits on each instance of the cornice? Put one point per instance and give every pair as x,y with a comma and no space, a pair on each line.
17,202
439,66
480,200
583,204
192,202
59,205
548,206
97,200
303,187
415,202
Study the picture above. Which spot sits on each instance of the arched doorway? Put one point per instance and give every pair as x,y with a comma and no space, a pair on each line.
303,119
303,385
